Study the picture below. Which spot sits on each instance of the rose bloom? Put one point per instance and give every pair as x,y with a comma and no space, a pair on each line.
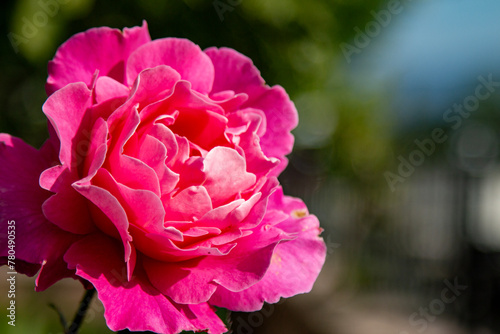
158,184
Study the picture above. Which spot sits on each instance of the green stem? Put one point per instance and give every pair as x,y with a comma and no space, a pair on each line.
80,314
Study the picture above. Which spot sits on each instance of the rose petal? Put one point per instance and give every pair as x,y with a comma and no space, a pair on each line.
189,204
233,71
98,148
197,118
75,216
103,49
281,117
244,266
152,85
37,241
226,174
135,174
67,112
23,267
168,139
295,264
249,142
191,173
108,88
110,216
237,73
181,54
294,268
134,303
153,153
126,169
161,246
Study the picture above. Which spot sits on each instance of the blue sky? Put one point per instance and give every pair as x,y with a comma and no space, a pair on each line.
434,50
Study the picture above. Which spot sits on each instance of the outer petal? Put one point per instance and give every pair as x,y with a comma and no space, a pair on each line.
234,71
181,54
295,264
67,110
99,49
121,297
244,266
281,117
68,113
37,240
68,210
249,141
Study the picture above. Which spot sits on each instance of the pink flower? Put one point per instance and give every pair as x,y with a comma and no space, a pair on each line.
158,183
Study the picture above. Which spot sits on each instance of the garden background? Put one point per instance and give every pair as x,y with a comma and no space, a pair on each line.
397,150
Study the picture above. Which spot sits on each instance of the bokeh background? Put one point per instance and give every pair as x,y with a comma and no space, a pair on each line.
396,151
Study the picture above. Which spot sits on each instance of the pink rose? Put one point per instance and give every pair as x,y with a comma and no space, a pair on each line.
158,183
